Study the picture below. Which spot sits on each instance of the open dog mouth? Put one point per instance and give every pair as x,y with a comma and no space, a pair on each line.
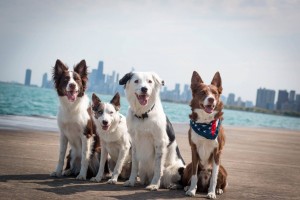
209,108
143,99
72,95
105,127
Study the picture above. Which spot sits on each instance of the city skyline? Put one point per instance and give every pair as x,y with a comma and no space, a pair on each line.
251,43
108,84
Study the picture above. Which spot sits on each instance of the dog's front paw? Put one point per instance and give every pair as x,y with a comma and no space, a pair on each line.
67,172
152,187
55,174
191,193
174,186
186,188
129,183
112,181
211,195
81,177
96,179
219,191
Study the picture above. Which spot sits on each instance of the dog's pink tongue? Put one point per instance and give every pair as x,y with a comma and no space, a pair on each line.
208,109
143,100
71,96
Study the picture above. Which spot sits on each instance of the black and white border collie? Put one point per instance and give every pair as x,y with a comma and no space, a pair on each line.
75,123
155,154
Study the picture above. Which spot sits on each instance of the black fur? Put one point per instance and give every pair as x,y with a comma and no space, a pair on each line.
171,135
170,132
126,78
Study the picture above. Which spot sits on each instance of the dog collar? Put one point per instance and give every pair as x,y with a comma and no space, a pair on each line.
209,131
145,115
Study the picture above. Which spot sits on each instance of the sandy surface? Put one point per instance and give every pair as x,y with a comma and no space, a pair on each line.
261,163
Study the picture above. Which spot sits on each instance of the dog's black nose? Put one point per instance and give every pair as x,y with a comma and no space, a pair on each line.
104,122
210,100
144,89
72,86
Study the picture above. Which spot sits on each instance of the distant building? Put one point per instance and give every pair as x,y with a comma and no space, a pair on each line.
230,99
297,102
45,80
283,98
100,76
265,98
27,77
292,96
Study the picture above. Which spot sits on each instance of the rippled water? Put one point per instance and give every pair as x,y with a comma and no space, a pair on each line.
33,101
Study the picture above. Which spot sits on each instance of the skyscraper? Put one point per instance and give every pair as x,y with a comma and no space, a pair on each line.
292,95
45,81
230,99
100,76
27,77
265,98
283,97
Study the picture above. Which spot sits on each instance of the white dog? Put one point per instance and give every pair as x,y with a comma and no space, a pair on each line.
75,123
154,148
115,140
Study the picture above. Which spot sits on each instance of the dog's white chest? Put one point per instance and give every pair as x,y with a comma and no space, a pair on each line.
205,147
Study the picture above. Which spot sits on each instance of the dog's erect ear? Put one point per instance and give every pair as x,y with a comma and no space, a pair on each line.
195,82
196,79
217,81
81,69
95,102
125,78
116,101
58,70
157,79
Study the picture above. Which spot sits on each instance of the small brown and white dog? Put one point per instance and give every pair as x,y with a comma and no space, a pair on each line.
204,176
115,139
155,154
75,123
206,134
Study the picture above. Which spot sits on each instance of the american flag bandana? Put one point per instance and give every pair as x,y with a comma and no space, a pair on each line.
209,131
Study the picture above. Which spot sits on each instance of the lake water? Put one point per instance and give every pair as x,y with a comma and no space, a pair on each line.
33,101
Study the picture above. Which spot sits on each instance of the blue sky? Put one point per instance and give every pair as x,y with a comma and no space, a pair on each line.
253,43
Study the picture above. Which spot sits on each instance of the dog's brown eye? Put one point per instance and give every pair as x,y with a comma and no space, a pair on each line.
149,81
136,81
111,112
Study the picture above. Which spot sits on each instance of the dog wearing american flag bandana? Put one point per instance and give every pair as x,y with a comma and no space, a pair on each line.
206,135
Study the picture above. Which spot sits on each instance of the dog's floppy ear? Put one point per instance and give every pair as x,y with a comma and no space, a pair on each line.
116,101
58,70
195,81
157,79
125,78
95,102
217,81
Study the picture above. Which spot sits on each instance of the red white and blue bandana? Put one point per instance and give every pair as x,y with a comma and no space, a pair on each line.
209,131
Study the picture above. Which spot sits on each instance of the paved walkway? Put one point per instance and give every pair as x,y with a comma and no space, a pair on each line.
261,163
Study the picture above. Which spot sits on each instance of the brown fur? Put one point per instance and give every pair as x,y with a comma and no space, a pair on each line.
202,186
199,92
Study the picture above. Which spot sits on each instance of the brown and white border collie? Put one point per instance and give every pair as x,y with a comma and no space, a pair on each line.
206,134
75,123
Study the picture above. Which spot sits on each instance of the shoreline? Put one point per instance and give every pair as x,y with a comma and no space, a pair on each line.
44,123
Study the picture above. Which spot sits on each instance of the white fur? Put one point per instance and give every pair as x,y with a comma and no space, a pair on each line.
72,119
115,141
204,148
150,155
